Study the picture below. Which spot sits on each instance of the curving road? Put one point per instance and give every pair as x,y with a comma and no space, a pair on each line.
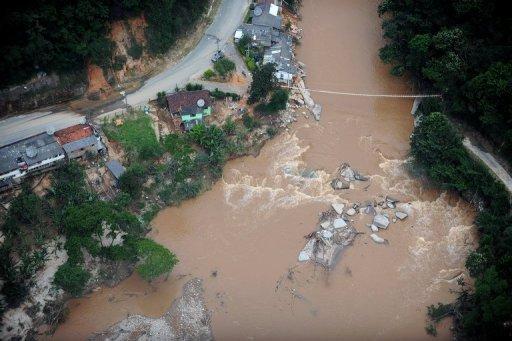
229,16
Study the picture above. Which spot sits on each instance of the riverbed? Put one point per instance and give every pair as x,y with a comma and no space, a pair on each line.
243,236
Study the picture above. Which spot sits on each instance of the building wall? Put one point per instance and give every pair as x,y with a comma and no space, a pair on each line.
81,152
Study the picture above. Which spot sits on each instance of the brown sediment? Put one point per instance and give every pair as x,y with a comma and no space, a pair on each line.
249,228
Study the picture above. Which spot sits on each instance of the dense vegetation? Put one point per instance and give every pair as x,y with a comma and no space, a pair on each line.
484,312
461,49
63,36
72,210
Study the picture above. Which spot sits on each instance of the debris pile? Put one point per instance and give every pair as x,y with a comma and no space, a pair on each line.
346,176
187,319
383,219
334,234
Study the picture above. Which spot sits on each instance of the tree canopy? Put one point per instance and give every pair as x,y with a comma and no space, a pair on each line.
461,49
62,36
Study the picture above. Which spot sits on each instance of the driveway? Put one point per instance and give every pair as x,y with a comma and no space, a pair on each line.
229,16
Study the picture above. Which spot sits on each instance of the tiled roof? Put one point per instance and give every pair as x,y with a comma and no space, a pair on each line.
186,99
73,133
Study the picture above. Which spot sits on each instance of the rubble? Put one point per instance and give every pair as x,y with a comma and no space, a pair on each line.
339,223
377,239
401,215
381,221
345,176
325,244
338,207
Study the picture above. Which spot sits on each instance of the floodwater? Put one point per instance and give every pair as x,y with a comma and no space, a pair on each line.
249,228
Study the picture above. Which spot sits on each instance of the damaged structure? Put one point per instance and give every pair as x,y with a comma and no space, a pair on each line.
334,233
265,33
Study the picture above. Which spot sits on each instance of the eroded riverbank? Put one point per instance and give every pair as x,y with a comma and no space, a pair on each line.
242,237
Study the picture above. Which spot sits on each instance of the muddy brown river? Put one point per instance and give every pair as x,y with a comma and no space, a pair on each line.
249,228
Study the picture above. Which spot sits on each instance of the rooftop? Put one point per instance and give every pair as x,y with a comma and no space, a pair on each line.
73,133
32,150
78,144
116,168
262,35
281,54
266,15
179,101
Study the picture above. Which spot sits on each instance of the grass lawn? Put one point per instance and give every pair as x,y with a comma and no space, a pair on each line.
136,135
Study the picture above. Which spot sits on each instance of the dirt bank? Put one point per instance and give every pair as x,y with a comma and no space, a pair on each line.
186,319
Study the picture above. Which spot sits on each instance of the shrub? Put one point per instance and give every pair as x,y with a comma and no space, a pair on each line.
26,207
208,74
277,102
250,63
161,99
263,81
193,87
72,278
229,126
135,51
155,259
217,94
250,122
119,62
132,179
224,67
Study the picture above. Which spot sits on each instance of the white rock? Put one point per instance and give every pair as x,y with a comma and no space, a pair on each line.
381,221
325,224
327,234
338,208
303,256
351,211
377,239
374,228
339,223
401,215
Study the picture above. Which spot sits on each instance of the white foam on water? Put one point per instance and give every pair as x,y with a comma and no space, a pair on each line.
442,232
288,183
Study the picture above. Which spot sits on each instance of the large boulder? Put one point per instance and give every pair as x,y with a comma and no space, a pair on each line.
381,221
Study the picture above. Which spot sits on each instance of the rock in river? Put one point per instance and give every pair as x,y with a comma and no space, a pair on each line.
339,223
377,239
351,211
401,215
338,208
381,221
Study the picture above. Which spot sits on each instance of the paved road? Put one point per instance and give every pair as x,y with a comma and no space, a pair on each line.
490,162
23,126
229,16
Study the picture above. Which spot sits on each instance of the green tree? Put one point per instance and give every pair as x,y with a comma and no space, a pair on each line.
224,67
155,259
72,278
263,81
161,99
132,179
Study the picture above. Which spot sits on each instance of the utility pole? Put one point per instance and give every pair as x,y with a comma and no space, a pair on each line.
217,40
